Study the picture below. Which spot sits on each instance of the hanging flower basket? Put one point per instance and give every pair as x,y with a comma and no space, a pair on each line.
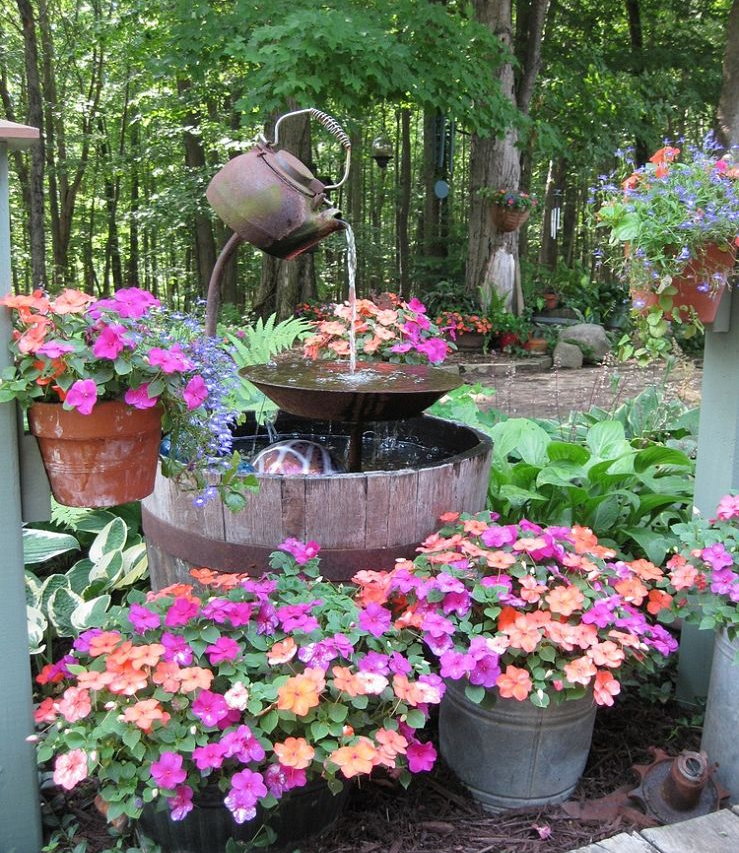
507,220
700,286
106,458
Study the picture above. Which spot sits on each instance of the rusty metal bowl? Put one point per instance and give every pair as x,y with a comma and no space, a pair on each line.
328,391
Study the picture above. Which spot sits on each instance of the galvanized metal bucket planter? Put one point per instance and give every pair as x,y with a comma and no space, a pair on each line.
511,754
721,725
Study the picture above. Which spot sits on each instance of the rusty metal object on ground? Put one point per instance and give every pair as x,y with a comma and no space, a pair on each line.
677,788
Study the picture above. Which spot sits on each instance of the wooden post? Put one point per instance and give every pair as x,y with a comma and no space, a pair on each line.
717,470
20,824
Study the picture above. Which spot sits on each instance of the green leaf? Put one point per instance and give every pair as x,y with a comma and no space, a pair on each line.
607,440
337,712
61,606
110,539
416,719
90,614
42,545
521,437
660,455
319,730
474,693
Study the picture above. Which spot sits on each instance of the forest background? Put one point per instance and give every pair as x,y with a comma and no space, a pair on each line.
139,104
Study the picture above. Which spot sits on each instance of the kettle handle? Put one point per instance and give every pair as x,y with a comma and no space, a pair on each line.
333,127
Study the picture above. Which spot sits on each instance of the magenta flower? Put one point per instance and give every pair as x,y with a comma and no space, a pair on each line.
296,617
139,397
129,302
82,396
435,349
223,649
374,662
497,537
280,779
195,392
142,618
54,349
241,744
168,772
375,619
210,707
181,804
728,506
301,551
239,613
209,756
177,649
456,665
110,342
421,757
181,612
717,557
172,360
246,789
416,306
486,671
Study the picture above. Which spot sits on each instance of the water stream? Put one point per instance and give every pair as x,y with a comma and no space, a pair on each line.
351,265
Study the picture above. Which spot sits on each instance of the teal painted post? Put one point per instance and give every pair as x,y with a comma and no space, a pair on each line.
717,470
20,818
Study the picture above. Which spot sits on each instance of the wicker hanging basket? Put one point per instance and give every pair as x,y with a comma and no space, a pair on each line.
506,219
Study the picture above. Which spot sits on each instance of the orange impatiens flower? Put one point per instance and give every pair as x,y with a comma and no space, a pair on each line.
92,680
586,542
357,759
580,670
531,590
631,590
605,688
565,600
167,676
218,580
346,681
103,644
295,752
145,713
658,600
298,694
514,683
606,654
569,637
282,651
645,570
665,155
523,633
474,526
195,678
71,302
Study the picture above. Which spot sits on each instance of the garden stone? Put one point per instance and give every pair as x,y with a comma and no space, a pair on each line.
590,338
567,356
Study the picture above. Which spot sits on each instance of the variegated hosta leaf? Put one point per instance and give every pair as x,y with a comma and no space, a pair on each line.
37,626
111,538
90,614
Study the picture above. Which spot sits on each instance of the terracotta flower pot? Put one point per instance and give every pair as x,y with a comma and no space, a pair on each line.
696,274
106,458
537,345
470,341
506,219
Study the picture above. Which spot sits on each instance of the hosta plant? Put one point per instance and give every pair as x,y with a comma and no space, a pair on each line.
533,613
253,685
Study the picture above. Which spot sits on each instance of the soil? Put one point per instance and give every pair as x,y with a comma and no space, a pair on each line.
436,814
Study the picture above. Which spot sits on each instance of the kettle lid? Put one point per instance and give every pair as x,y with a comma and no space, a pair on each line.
293,170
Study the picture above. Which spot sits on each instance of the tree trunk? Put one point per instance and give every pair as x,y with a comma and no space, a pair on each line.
283,283
132,267
492,259
633,11
204,245
728,106
404,203
36,172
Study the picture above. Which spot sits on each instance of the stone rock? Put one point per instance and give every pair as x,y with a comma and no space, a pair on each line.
590,338
567,356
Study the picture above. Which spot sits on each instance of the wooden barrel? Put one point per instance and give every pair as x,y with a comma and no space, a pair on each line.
361,521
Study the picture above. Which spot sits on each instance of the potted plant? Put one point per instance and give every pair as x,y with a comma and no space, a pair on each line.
204,711
394,330
101,379
469,331
675,220
704,577
509,208
531,627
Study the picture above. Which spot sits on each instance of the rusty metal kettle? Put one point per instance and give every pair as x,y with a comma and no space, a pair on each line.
271,200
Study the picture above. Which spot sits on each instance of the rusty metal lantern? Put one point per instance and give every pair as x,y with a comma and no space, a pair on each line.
382,150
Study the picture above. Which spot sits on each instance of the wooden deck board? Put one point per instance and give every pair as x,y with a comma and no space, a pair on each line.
714,833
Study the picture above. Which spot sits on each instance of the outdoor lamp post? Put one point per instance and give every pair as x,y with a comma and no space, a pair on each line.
382,151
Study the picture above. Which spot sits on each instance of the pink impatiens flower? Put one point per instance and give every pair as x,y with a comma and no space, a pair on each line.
181,804
195,392
421,757
301,551
168,771
110,342
172,360
70,768
55,349
82,396
728,506
139,397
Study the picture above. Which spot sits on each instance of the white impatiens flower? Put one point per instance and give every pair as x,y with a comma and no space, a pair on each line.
237,696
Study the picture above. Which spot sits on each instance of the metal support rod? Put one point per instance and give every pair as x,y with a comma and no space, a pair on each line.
213,300
20,824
